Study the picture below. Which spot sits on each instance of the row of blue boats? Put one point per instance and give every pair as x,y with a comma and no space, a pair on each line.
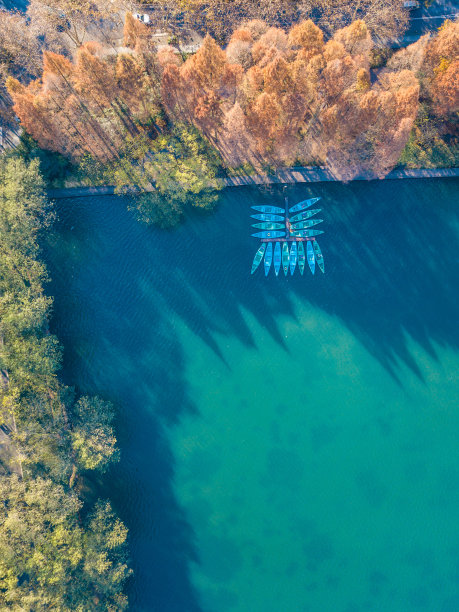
275,225
289,259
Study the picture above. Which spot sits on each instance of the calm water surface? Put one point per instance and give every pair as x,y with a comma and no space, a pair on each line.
288,444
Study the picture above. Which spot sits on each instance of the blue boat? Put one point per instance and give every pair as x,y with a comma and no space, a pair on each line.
268,258
293,258
269,226
305,224
258,257
285,257
306,233
271,210
301,257
304,204
311,258
277,258
269,235
304,215
318,255
268,217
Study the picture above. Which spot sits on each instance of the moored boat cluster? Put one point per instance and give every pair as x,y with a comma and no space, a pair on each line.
292,230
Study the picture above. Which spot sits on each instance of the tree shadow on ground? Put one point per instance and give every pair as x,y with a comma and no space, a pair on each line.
123,290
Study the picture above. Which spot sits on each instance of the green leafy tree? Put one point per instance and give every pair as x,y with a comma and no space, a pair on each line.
93,438
50,558
182,172
48,561
425,147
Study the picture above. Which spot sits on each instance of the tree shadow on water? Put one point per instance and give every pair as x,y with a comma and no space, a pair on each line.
390,250
119,344
123,293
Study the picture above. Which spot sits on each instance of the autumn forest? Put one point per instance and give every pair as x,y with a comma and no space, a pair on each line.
270,98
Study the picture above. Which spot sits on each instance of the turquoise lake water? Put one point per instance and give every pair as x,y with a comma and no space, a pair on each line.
288,444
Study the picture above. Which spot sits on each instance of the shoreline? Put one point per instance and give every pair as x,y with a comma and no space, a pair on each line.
285,176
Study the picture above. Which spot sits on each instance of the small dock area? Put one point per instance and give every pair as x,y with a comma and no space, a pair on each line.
288,228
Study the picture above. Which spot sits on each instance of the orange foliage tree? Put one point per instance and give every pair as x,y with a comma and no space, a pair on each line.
91,105
272,97
441,68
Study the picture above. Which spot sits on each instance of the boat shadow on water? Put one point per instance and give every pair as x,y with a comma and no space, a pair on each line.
123,292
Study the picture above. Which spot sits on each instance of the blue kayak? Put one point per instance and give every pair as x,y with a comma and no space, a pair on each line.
318,255
301,257
258,257
269,209
304,215
305,224
311,259
268,217
306,233
277,258
293,258
269,226
268,258
304,204
285,257
269,235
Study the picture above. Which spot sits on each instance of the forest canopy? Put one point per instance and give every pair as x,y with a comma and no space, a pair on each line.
272,97
56,552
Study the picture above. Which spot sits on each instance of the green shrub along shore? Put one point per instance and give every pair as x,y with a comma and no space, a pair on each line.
57,551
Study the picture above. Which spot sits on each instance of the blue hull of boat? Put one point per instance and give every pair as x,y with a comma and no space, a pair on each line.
285,257
266,235
277,258
271,210
268,258
301,225
306,233
305,215
293,258
268,217
258,257
303,205
311,258
301,258
269,226
318,255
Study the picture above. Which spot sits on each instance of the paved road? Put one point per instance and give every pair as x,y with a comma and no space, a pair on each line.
288,175
318,175
424,20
